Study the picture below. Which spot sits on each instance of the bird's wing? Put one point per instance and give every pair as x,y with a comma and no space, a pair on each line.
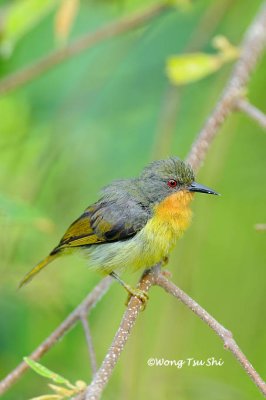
104,223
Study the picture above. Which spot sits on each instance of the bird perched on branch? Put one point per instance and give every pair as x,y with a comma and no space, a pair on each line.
135,223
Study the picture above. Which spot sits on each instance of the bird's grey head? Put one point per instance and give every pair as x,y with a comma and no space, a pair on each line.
165,177
162,178
157,181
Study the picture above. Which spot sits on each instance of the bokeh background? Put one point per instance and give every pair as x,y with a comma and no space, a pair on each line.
104,115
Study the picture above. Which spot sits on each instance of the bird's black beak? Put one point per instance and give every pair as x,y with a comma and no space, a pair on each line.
197,187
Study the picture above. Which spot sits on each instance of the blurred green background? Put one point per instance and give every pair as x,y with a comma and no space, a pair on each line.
104,115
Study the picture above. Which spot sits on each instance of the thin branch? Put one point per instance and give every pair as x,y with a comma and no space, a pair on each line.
260,227
253,112
223,333
128,321
39,67
152,278
252,47
87,304
87,332
171,99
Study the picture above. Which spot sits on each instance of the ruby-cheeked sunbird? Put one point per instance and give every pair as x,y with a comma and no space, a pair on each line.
135,223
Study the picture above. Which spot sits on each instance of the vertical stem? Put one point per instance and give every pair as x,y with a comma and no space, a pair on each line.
87,332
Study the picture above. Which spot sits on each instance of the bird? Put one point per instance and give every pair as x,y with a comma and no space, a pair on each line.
135,223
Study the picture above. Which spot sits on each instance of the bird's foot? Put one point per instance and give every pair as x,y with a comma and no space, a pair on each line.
165,261
140,294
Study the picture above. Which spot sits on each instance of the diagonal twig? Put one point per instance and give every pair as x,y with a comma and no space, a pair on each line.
251,49
155,277
87,333
128,320
87,304
39,67
223,333
260,227
252,111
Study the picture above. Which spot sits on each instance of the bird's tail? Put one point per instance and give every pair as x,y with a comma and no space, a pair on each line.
28,277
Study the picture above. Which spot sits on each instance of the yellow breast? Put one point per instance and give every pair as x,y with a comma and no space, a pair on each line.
171,218
153,243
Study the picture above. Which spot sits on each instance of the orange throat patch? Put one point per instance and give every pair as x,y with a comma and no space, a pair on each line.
175,211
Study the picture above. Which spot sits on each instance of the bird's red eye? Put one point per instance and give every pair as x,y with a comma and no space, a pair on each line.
172,183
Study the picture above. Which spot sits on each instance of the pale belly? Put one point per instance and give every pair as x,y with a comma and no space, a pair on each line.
144,250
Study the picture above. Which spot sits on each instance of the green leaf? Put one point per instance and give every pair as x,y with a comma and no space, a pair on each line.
65,18
191,67
63,392
48,397
21,17
47,373
81,385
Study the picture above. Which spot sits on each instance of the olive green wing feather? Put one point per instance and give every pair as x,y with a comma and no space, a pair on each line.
119,215
80,232
104,222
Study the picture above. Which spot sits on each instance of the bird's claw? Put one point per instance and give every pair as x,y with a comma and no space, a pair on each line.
140,294
165,261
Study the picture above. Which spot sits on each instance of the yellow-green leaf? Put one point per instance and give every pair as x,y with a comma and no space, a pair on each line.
65,18
81,385
21,16
48,397
47,373
59,390
191,67
186,68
